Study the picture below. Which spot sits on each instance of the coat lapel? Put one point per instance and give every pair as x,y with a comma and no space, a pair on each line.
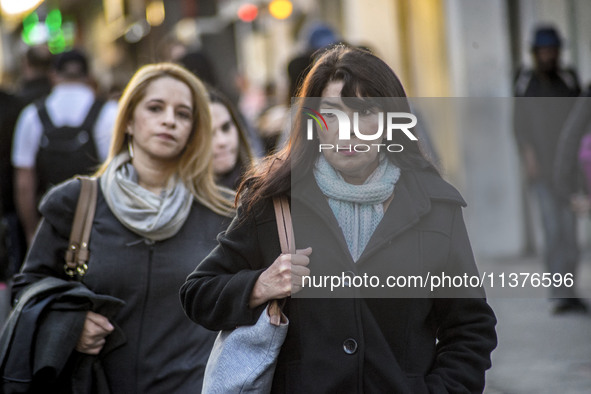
307,193
409,204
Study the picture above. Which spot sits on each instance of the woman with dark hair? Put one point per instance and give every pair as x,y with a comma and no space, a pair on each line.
232,155
357,213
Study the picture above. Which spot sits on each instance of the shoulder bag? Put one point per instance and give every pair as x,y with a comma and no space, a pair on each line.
78,254
243,360
17,369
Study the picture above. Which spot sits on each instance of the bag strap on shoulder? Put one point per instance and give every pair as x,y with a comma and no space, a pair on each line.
284,225
78,254
92,115
44,118
87,124
287,241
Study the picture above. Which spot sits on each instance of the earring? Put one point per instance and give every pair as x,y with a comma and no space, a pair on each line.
130,145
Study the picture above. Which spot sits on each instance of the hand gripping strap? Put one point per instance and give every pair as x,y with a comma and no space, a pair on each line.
78,254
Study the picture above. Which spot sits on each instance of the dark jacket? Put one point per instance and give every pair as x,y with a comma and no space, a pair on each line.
38,341
232,179
165,352
568,179
362,345
544,103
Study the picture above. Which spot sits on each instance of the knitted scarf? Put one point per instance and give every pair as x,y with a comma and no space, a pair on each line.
357,208
156,217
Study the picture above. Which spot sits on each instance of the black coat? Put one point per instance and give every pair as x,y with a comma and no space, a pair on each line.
568,177
538,121
38,340
363,345
165,352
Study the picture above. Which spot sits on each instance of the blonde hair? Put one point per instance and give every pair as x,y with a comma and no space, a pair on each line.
194,167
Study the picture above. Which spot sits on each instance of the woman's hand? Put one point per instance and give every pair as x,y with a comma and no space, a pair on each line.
92,339
282,279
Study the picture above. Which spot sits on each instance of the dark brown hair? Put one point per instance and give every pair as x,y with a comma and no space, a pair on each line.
363,75
245,155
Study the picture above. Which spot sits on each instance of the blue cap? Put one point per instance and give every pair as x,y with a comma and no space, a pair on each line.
321,36
546,37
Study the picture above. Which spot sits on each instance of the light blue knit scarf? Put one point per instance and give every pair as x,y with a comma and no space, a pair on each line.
358,208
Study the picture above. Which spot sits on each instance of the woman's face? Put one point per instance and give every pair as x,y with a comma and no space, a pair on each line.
355,167
162,121
225,139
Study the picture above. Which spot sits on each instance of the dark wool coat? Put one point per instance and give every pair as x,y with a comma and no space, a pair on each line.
358,345
41,333
165,352
568,177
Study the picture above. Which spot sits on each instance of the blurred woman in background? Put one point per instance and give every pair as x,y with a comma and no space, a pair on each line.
231,151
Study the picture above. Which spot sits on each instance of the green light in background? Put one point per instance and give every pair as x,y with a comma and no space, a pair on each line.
69,29
57,31
54,21
57,43
30,20
62,31
29,24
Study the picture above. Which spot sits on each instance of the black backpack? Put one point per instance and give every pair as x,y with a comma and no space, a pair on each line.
65,151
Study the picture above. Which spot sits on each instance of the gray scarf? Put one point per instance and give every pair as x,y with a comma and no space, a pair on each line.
358,208
156,217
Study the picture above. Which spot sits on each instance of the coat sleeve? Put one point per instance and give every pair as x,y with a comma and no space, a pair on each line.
46,254
216,294
566,167
466,327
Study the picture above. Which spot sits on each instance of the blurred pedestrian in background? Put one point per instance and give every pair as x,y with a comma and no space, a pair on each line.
35,84
572,175
273,120
314,36
537,125
158,212
11,251
36,68
548,78
352,210
199,64
55,138
232,155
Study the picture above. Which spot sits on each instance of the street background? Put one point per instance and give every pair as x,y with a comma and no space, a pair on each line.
539,352
439,48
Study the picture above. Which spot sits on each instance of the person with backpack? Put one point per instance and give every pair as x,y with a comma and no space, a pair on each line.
65,134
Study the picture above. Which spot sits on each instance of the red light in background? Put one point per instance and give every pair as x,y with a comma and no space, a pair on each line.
248,12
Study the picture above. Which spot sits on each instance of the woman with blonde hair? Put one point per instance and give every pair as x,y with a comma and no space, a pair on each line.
158,212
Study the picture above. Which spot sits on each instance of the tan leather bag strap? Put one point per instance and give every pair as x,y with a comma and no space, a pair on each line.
284,225
287,241
78,254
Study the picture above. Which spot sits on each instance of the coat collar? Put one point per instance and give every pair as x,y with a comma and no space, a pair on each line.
413,196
